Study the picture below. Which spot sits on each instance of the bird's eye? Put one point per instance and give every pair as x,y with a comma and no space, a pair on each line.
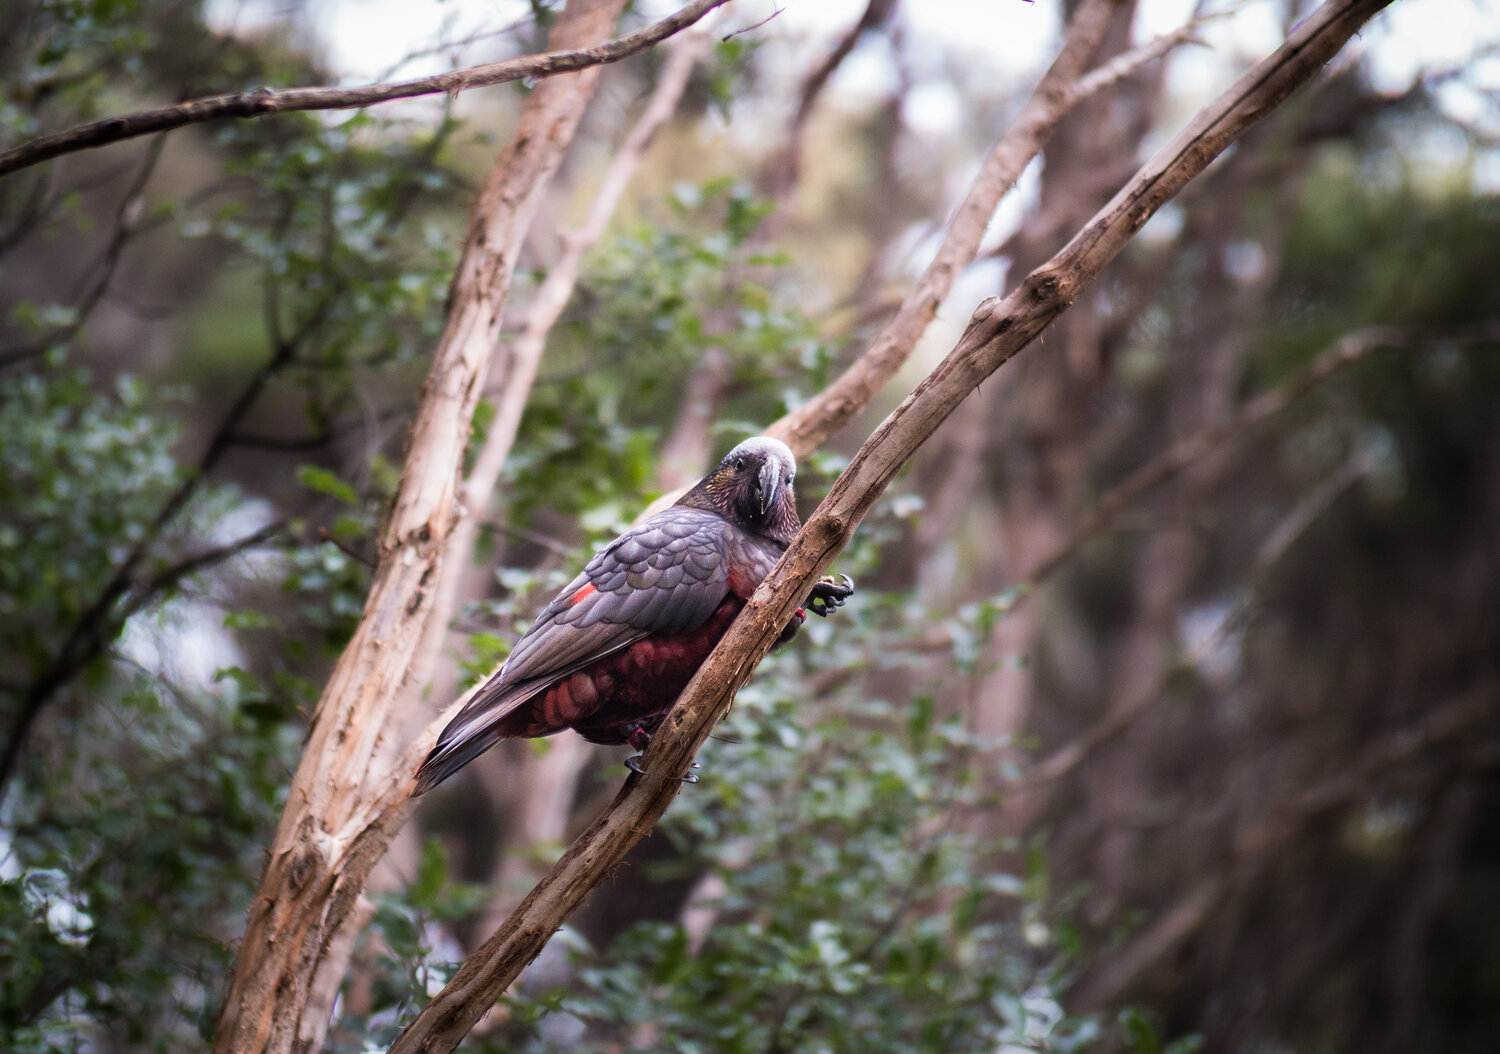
739,463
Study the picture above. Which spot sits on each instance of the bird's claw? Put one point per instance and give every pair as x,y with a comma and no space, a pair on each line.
635,764
829,594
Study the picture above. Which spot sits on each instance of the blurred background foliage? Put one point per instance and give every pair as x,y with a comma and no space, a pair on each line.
1216,772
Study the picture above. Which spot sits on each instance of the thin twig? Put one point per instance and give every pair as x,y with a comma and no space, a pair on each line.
126,224
325,535
730,36
1068,757
1255,848
785,168
93,634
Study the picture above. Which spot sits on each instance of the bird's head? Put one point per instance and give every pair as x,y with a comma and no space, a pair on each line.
752,487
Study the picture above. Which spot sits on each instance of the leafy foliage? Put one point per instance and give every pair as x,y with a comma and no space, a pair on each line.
85,475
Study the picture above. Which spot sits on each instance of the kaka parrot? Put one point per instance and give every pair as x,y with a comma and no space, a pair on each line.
612,652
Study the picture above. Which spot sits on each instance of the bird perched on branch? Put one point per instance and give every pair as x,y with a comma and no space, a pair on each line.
612,652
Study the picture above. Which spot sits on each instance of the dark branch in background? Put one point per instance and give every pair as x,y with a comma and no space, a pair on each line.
786,168
99,626
1254,412
265,101
25,218
329,433
1291,526
1195,447
126,223
101,622
998,330
325,535
1255,849
1061,89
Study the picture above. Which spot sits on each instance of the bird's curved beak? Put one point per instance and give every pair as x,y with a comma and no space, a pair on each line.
768,484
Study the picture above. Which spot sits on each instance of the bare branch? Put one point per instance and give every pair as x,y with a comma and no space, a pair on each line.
807,427
752,28
264,101
327,536
998,330
1068,757
1059,92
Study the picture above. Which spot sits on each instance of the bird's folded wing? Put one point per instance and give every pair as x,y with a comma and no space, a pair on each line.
666,575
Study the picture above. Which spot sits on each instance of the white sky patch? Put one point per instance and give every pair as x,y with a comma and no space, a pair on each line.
365,40
933,107
1202,631
184,640
1409,37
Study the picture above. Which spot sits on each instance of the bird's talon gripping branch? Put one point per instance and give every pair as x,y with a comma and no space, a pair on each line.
636,765
829,595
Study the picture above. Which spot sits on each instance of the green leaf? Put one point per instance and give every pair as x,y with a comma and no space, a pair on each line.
314,477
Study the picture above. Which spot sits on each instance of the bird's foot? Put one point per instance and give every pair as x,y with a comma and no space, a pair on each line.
829,594
634,764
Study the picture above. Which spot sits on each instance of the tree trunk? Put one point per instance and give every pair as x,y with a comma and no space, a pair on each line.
303,920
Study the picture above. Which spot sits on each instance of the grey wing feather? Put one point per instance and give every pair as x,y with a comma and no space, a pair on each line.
666,575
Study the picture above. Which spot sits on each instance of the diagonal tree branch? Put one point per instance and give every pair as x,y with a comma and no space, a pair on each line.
998,330
264,101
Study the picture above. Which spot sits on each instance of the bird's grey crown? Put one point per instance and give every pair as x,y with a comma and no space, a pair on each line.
767,448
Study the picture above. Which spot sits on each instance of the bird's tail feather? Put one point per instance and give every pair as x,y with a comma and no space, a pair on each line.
476,728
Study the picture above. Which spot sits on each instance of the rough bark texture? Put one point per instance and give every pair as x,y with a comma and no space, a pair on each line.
301,920
998,330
